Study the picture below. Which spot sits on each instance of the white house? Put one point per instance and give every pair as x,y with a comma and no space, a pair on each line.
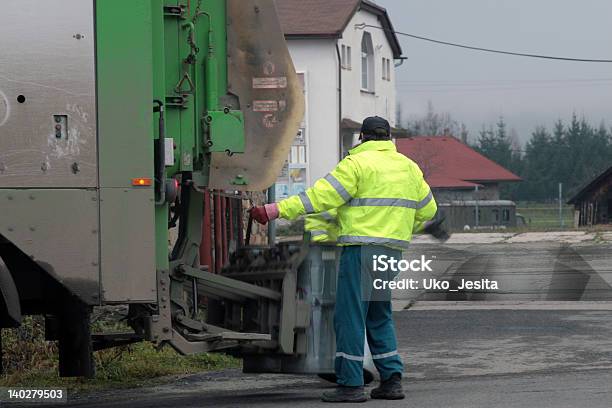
348,74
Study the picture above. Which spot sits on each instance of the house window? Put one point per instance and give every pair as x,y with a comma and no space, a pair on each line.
346,57
386,69
349,58
367,63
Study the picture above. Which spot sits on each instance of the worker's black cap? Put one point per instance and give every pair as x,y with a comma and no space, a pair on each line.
376,126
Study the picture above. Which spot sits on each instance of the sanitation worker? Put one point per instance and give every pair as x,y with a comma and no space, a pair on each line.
323,227
381,198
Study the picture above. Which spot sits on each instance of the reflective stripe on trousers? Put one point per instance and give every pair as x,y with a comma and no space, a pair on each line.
361,358
349,357
384,355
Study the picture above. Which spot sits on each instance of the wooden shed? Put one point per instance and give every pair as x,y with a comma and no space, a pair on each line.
593,204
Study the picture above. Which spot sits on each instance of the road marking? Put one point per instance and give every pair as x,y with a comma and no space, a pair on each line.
505,305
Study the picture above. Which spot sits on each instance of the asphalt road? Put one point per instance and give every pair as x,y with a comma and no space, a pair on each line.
524,271
454,358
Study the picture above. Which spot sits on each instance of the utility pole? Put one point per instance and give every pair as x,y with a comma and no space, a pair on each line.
476,205
561,222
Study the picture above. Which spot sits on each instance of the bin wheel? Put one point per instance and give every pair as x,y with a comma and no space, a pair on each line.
368,377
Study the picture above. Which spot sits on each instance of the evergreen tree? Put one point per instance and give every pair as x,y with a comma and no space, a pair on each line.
537,170
572,155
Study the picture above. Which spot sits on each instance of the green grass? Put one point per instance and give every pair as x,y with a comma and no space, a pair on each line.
545,216
30,361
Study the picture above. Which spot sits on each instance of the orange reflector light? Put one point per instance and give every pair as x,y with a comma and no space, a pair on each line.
142,182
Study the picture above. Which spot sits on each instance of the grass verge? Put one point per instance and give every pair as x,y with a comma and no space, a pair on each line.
542,216
30,361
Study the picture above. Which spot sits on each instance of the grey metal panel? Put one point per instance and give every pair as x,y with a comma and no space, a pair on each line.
260,73
47,56
59,229
128,245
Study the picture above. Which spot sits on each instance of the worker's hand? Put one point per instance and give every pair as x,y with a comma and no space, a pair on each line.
259,214
435,229
263,214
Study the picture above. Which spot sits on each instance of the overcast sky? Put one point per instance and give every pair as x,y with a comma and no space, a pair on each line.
477,88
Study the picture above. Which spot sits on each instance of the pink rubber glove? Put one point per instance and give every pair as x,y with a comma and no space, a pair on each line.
263,214
272,211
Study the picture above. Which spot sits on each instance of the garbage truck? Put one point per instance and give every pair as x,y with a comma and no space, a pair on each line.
122,121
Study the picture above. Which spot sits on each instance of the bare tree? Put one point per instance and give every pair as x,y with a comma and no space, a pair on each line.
399,118
434,124
464,133
515,142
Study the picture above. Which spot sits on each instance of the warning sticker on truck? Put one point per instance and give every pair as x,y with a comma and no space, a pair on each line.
270,83
265,106
270,120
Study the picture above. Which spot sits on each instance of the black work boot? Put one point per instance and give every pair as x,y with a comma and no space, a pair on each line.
390,389
345,394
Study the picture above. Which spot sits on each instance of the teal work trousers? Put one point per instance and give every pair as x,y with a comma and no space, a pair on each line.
357,315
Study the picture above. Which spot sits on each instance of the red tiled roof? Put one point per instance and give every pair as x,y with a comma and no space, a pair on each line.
329,18
442,181
448,163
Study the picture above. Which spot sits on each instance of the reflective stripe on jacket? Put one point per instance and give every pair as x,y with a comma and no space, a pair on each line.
323,227
379,193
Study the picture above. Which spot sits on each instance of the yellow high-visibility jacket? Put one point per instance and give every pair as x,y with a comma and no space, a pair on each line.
323,227
419,227
379,194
